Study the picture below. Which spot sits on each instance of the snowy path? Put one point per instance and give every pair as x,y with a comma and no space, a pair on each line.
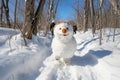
87,67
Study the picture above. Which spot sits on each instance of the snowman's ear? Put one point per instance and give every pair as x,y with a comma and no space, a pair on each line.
52,27
75,28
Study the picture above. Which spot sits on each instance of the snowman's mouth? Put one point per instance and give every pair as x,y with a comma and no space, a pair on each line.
65,34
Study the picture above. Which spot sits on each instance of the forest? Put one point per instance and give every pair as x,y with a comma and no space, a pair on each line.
31,16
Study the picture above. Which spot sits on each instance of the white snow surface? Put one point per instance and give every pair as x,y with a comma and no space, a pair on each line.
91,61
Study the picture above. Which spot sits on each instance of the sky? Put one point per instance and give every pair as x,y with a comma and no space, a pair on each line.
65,9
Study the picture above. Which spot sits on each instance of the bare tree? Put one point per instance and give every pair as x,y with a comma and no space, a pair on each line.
37,16
116,24
31,19
56,7
115,5
52,6
1,12
86,11
92,16
52,9
100,20
77,9
6,9
29,13
15,15
50,14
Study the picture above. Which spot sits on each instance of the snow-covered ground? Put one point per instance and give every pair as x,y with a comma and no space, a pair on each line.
33,62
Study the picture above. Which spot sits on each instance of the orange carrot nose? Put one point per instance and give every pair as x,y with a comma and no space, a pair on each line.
64,30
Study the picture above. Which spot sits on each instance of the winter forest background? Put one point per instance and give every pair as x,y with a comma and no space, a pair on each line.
33,16
25,39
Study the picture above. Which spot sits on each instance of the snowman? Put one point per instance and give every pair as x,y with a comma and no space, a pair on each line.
63,44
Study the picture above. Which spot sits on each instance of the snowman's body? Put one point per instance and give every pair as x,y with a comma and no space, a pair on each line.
64,50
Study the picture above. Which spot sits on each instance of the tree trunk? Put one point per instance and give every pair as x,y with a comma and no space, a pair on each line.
29,13
86,5
115,5
50,16
52,10
15,11
37,16
77,13
100,20
6,7
56,7
92,16
31,19
116,25
1,12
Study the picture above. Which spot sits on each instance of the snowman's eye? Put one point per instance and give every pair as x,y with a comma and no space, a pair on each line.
67,28
59,28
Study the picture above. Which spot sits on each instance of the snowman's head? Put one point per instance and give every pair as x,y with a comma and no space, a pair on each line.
63,30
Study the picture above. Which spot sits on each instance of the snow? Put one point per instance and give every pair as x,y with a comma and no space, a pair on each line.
19,62
35,62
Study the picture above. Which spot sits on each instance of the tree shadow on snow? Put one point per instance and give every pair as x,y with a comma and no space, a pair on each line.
91,58
86,44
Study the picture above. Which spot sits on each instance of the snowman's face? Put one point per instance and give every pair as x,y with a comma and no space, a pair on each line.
63,30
